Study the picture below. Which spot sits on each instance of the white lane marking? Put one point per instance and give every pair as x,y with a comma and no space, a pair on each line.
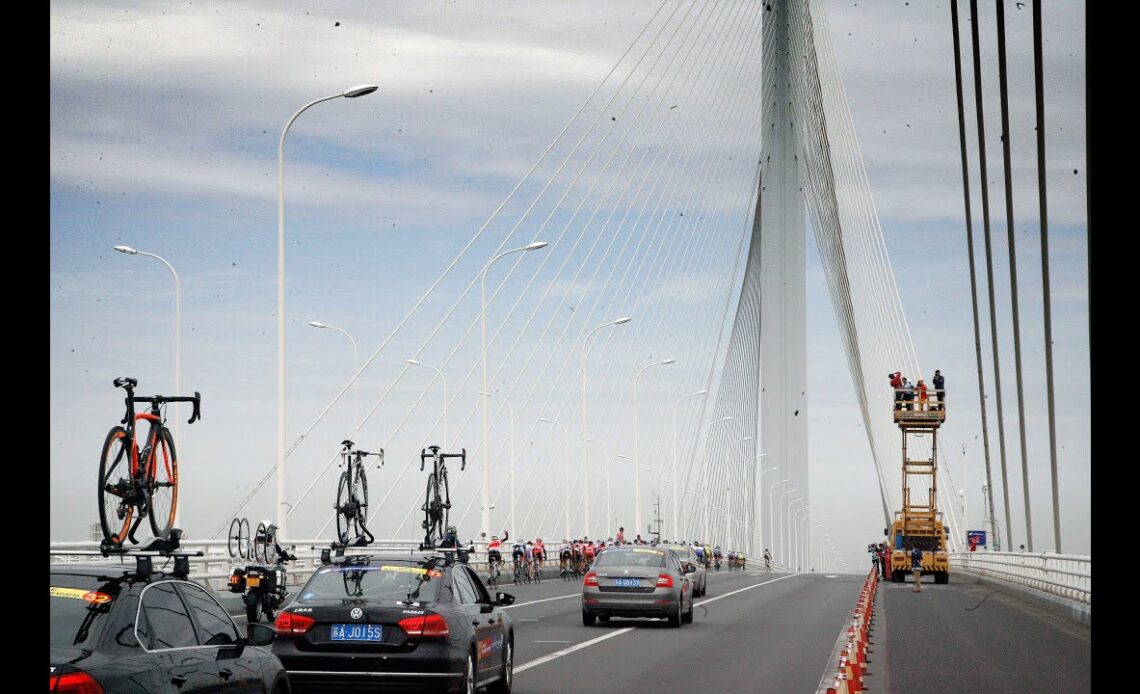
568,651
535,602
832,576
741,590
603,637
525,620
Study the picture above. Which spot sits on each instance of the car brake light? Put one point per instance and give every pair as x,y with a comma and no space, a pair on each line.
427,626
664,581
75,683
289,623
592,578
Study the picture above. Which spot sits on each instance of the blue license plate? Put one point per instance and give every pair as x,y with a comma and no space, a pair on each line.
356,632
628,582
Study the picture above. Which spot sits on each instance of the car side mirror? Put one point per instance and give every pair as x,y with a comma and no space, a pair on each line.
504,599
260,634
689,568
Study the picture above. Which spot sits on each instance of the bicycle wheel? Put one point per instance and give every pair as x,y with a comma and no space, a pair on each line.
258,542
360,495
243,538
269,547
343,510
234,539
162,483
116,486
434,507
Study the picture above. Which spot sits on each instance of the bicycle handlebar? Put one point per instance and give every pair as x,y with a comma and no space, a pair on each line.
434,453
129,384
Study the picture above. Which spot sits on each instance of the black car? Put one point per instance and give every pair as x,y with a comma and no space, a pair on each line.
116,628
420,622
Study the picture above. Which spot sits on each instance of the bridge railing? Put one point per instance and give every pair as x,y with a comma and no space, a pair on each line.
1066,575
214,566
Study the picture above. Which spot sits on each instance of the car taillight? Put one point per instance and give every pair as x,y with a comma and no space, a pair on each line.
664,581
591,579
427,626
289,623
75,683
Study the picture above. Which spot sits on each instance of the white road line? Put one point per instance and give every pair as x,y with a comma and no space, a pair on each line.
619,632
535,602
568,651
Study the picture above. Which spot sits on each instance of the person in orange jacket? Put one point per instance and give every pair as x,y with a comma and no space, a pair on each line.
922,396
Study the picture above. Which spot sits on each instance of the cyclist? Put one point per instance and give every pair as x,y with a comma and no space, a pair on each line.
716,556
767,559
539,555
518,552
529,560
450,537
576,556
564,555
589,551
494,555
699,550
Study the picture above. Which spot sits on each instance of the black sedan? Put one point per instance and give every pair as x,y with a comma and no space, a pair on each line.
117,629
419,622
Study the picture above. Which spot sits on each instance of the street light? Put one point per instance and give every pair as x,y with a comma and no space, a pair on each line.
761,498
565,471
177,347
636,450
785,522
351,93
355,383
801,542
609,507
728,497
511,409
676,509
485,514
771,517
585,418
417,362
705,477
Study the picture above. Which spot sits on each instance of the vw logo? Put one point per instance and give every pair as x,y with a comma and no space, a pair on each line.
356,613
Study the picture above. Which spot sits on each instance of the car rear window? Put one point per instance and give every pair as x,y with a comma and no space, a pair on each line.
79,607
653,558
393,580
683,552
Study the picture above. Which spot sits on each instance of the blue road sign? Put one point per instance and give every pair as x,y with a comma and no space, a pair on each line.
979,534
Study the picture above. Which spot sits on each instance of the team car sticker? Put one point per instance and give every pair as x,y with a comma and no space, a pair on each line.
91,596
412,570
489,646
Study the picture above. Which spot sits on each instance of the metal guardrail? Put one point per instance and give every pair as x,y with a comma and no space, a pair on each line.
1066,575
214,566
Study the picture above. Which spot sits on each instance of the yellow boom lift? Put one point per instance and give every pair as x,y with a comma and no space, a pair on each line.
919,523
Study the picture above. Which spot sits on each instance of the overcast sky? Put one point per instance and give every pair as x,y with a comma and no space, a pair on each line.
165,119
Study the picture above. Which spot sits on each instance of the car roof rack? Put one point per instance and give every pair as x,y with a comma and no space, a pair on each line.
336,553
167,548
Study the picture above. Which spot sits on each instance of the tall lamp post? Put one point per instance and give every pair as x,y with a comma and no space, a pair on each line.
177,347
511,410
485,512
761,497
728,495
355,382
772,517
705,477
801,539
585,419
281,493
565,470
676,508
636,449
417,362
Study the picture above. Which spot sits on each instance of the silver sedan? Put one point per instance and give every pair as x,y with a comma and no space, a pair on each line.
687,556
637,581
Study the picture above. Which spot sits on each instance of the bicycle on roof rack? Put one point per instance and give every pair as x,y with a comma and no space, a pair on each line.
352,497
139,479
262,585
437,501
